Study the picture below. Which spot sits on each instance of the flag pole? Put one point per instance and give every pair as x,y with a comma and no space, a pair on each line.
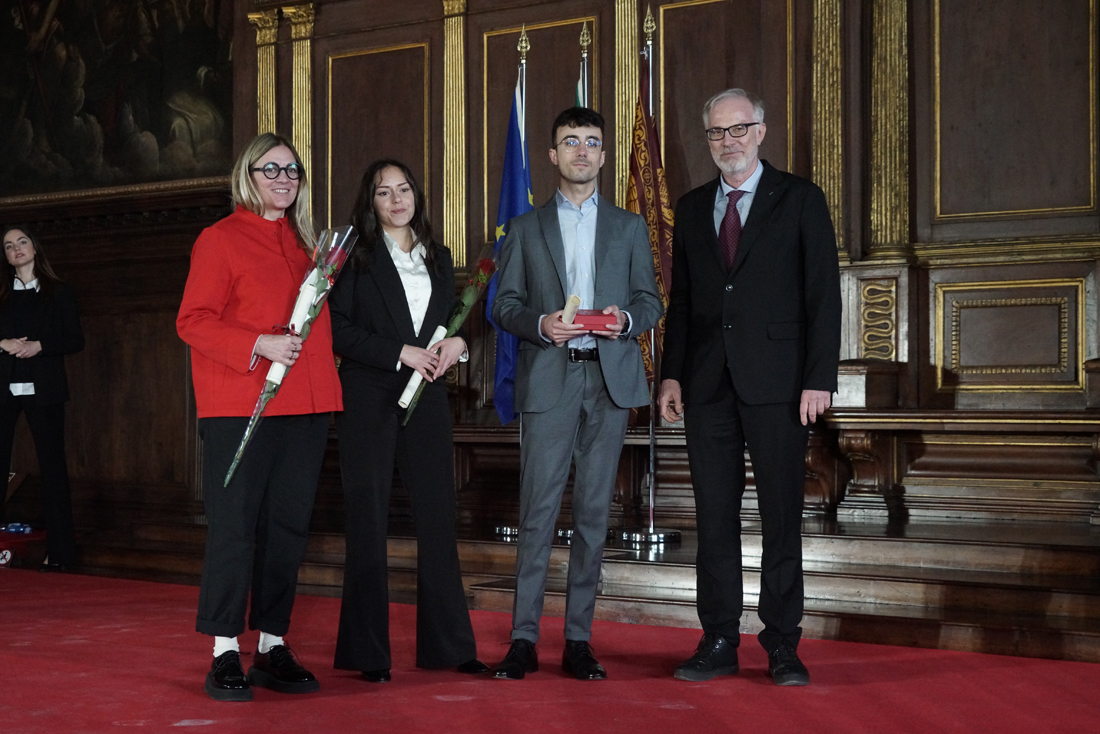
651,535
523,47
586,41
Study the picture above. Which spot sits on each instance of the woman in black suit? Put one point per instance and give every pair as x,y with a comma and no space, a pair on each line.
385,307
39,325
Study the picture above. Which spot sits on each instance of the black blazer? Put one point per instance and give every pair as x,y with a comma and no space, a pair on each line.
60,334
371,320
774,317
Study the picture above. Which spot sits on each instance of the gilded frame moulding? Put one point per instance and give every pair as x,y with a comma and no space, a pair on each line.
889,152
941,327
828,111
267,32
626,90
330,62
454,130
938,215
301,19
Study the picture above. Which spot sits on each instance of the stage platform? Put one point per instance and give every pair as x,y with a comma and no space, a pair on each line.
1007,588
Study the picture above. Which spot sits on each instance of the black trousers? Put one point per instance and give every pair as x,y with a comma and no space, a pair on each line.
371,440
257,527
717,434
47,424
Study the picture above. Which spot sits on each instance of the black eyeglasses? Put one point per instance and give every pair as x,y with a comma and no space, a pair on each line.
735,131
271,171
574,144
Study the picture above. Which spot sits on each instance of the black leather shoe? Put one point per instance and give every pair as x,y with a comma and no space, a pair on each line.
278,670
714,656
48,567
473,667
785,668
382,675
522,658
226,680
577,660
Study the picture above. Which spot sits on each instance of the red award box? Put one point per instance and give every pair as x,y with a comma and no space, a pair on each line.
594,320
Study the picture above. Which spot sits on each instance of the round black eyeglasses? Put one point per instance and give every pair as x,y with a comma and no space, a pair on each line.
271,171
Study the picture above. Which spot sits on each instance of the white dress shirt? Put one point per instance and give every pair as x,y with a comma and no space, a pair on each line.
23,388
721,200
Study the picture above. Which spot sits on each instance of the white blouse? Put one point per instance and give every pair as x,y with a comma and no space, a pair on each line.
414,277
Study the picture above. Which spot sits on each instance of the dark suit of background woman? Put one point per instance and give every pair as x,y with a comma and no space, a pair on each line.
38,327
374,334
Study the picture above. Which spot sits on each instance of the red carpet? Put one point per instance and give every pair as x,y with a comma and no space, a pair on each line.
86,654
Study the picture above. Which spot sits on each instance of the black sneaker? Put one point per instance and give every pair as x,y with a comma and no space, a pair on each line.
785,668
226,680
278,670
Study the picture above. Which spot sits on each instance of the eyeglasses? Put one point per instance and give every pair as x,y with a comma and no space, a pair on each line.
271,170
735,131
574,144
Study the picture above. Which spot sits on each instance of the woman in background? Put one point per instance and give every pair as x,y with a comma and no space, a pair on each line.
244,278
399,288
39,325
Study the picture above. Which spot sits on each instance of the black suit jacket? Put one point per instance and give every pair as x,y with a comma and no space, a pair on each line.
371,320
774,318
60,334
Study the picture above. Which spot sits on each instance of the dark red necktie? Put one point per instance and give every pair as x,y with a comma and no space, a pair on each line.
729,234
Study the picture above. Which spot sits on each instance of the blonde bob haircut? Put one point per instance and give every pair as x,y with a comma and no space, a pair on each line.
245,193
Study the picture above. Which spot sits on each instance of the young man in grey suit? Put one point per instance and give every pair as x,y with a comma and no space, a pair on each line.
574,388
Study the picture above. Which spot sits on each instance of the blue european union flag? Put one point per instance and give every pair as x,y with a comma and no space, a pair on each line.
515,199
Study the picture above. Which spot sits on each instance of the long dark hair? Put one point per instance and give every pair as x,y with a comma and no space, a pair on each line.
365,219
47,278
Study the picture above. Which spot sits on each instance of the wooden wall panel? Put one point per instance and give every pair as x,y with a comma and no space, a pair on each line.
1005,125
710,45
368,120
1012,73
1007,336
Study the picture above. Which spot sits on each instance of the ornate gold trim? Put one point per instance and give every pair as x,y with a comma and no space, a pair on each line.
593,75
111,192
1063,336
889,129
937,166
942,289
790,73
427,106
454,131
878,319
267,32
626,90
301,31
828,110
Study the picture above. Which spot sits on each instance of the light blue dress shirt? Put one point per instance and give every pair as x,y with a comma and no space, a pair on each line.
721,200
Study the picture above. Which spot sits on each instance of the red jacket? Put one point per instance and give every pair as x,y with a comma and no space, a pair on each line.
244,279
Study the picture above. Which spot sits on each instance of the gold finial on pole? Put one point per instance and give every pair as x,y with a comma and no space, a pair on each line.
586,40
524,45
649,26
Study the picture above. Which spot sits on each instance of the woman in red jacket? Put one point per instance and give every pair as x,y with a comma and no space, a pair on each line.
244,278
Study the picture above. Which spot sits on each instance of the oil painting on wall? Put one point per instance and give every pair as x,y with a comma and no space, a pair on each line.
100,93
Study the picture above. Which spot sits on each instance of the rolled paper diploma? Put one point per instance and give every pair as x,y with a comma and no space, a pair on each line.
306,297
571,306
414,381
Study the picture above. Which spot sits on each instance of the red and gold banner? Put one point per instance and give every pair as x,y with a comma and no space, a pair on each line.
647,194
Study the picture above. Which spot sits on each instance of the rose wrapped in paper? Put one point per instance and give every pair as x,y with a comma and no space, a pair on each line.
475,287
333,248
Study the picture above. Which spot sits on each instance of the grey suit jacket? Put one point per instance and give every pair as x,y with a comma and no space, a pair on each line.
533,282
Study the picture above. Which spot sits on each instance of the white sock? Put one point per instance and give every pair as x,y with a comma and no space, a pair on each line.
269,641
225,644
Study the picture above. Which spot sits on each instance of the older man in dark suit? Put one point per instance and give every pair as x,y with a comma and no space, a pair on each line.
751,350
573,400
